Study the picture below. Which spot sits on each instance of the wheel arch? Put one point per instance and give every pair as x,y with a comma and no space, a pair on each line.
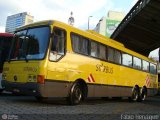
83,85
136,87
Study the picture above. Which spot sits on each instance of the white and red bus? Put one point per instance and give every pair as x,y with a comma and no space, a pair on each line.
5,44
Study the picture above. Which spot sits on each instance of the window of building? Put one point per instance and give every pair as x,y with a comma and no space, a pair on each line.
137,64
145,66
127,59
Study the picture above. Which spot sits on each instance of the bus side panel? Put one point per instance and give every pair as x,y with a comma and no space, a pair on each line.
152,91
112,91
102,78
55,89
57,83
131,77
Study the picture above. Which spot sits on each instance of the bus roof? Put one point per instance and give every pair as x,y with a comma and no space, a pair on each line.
87,33
104,37
6,34
45,22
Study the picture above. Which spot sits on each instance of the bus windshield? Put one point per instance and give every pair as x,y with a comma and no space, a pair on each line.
30,44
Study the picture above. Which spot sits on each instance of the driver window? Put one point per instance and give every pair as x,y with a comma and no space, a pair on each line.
58,44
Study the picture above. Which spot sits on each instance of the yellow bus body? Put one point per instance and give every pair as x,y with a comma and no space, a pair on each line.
107,78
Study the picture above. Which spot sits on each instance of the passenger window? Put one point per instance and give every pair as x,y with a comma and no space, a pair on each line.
75,43
80,44
117,57
153,68
114,55
94,49
127,59
102,52
111,54
145,66
58,44
83,46
137,64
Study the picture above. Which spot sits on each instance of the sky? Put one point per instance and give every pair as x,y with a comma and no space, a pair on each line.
61,9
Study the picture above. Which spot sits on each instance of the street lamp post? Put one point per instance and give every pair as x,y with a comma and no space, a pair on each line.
88,21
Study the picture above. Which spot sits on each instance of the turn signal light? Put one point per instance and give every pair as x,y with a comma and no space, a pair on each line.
40,79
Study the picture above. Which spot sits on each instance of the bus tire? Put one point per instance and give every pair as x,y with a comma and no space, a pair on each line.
75,96
136,94
143,93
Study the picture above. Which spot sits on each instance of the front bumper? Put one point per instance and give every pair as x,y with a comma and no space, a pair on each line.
22,88
50,88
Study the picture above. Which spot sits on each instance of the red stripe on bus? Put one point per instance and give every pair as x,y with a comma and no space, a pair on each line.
89,79
147,81
92,78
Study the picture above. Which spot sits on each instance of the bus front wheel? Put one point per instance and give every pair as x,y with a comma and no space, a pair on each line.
75,96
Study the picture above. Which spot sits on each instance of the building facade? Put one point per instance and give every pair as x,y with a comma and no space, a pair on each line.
108,24
17,20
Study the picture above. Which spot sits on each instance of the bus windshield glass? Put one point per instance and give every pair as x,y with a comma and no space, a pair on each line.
30,44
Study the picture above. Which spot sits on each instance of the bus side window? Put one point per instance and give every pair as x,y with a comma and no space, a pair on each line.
153,69
80,44
137,63
94,49
126,59
102,52
58,45
145,66
75,43
117,57
114,55
110,54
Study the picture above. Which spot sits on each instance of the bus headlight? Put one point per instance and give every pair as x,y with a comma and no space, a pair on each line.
32,78
29,78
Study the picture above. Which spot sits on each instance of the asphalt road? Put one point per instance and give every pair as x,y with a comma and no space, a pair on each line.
28,108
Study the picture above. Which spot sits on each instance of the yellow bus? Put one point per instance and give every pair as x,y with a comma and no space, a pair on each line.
53,59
